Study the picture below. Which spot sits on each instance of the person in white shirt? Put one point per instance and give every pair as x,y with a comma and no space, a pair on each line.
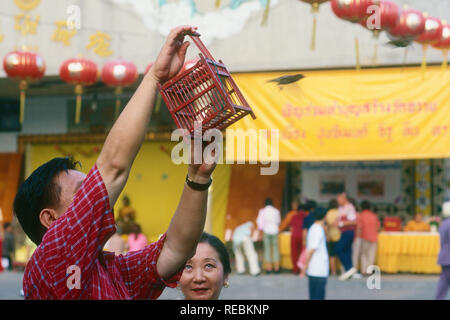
268,222
347,226
243,245
317,262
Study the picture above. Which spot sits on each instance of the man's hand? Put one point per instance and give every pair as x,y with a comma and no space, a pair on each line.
172,55
128,133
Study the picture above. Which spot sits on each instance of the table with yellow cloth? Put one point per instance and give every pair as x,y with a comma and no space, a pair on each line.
415,252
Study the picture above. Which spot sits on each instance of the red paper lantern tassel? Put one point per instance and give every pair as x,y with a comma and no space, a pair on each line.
424,60
266,13
376,35
358,62
445,62
118,92
78,92
313,36
22,86
314,10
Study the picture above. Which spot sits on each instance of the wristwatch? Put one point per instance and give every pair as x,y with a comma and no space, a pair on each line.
198,186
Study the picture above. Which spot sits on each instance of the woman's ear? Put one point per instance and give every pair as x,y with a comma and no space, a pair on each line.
226,283
47,217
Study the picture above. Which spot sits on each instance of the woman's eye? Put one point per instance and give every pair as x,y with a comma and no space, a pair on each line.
210,266
188,267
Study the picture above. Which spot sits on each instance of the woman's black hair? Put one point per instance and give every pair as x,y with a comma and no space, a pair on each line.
220,248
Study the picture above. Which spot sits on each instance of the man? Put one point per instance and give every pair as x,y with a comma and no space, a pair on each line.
268,222
346,224
367,227
69,215
243,244
316,265
417,225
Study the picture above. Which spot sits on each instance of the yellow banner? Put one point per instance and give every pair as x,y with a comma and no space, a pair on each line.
377,114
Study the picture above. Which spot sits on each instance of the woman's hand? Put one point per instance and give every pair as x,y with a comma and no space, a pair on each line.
172,55
201,172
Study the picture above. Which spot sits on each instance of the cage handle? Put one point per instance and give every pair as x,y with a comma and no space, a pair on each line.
196,38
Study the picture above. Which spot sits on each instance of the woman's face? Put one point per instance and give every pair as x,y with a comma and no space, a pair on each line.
203,276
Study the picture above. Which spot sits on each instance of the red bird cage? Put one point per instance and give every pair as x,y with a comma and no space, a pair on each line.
204,93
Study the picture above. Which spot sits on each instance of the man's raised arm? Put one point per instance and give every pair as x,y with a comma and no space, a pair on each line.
127,134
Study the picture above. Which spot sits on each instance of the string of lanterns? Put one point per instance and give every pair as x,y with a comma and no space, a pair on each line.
402,25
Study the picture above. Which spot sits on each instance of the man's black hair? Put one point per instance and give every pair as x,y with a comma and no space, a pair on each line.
268,202
311,205
40,191
220,248
333,204
365,205
319,213
6,225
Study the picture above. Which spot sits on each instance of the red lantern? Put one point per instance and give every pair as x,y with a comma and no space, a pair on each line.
315,9
444,43
389,14
79,72
147,69
432,32
24,66
351,10
410,25
119,73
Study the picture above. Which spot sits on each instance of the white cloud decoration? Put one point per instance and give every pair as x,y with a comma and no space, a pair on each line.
162,16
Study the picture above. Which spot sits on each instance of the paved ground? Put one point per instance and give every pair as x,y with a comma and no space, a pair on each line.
286,286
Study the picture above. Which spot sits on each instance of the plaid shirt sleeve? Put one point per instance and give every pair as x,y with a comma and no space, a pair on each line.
138,269
77,238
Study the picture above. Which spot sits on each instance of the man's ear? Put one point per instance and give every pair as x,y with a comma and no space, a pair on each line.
47,217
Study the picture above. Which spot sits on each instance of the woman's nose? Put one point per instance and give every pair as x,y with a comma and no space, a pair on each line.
199,275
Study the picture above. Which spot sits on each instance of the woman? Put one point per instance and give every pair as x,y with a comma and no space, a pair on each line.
206,273
294,220
136,240
333,233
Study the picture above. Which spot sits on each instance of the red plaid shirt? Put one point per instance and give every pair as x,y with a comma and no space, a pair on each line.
77,239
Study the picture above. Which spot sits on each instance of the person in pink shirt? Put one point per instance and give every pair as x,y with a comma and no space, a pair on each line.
367,227
136,240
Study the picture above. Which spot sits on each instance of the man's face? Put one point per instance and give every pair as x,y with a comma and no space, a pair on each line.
69,182
418,217
341,199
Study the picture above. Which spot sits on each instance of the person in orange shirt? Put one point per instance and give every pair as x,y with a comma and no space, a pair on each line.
294,220
417,225
367,227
